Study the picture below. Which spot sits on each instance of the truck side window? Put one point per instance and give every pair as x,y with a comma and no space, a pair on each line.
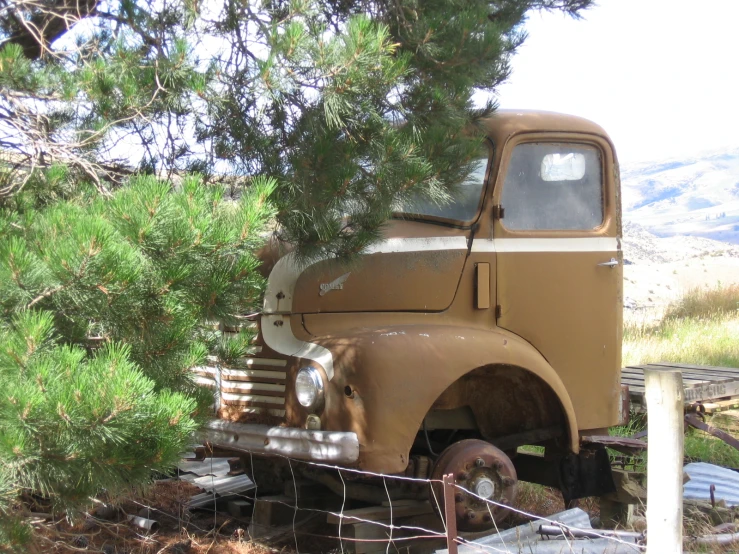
553,186
463,203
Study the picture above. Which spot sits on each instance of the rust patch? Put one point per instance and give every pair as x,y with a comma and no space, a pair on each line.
236,414
505,400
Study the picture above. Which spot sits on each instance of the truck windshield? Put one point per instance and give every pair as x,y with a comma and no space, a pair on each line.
463,205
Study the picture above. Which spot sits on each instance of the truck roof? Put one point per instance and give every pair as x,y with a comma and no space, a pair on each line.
506,123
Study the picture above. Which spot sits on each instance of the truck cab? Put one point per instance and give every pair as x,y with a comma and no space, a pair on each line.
475,327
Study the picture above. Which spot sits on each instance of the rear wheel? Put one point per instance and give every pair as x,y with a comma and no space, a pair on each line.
483,469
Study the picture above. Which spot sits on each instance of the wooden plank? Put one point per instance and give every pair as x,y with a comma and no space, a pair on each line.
640,374
711,391
273,510
693,366
708,375
705,375
696,393
686,376
382,513
715,369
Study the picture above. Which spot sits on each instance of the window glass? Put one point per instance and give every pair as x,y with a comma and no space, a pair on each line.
553,186
463,205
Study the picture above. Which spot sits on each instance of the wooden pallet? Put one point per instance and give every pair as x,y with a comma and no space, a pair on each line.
709,385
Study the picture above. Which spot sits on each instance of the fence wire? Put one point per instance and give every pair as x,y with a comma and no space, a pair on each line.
395,533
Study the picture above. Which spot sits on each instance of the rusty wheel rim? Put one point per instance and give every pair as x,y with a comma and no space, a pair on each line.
483,469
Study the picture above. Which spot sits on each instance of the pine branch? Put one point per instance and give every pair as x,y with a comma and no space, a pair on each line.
45,294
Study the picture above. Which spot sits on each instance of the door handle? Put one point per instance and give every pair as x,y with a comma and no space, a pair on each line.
613,262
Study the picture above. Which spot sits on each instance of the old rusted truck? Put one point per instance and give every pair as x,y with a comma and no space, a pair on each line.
472,329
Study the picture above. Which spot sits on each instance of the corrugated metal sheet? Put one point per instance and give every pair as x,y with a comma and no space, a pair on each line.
211,475
209,466
225,485
703,475
580,546
526,539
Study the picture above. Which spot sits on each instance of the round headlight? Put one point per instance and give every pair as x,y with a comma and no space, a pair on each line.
309,388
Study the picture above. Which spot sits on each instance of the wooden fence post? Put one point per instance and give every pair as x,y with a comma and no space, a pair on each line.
664,395
450,514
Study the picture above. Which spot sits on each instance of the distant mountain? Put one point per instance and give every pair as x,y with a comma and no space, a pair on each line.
696,196
642,247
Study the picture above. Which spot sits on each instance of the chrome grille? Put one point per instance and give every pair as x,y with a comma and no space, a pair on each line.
253,384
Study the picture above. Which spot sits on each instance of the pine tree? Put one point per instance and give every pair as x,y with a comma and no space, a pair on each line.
144,156
104,305
352,105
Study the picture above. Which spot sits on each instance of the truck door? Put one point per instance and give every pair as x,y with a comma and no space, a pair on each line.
559,271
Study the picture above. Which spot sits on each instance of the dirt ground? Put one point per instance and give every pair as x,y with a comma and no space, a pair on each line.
207,532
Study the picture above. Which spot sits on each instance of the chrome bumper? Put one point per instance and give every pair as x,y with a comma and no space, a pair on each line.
300,444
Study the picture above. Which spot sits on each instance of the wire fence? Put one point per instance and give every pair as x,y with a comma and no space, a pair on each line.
390,528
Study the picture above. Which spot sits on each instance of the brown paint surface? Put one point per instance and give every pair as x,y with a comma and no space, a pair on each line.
407,335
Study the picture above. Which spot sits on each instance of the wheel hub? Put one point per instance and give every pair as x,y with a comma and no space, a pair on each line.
484,487
485,471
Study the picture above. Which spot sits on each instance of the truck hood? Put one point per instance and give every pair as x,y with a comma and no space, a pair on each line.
416,267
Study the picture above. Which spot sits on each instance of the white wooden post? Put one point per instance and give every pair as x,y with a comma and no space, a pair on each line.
664,394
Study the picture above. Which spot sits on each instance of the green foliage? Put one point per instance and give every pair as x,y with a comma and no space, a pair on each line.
146,267
103,310
74,424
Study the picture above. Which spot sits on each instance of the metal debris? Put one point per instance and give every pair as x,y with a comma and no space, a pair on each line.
144,523
211,475
525,539
696,421
703,475
209,466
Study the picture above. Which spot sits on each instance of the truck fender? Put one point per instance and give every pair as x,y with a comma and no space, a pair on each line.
387,379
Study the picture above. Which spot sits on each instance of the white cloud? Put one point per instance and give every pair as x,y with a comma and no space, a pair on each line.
659,76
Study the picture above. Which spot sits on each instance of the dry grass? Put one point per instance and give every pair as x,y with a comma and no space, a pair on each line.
700,328
702,303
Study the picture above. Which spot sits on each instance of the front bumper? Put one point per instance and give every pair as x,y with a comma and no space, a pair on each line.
300,444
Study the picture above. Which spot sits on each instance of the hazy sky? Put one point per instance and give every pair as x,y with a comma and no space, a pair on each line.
661,76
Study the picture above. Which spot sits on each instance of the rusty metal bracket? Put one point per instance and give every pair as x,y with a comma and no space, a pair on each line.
450,514
695,421
624,445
